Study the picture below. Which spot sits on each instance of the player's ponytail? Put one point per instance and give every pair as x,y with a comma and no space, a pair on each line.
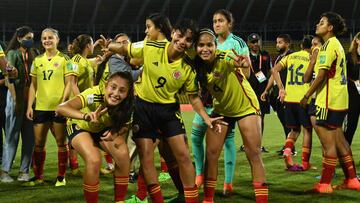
79,43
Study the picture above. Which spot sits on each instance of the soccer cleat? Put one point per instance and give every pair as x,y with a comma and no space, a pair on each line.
199,180
76,172
5,178
242,148
263,149
33,182
306,166
133,177
135,199
60,181
322,188
23,177
295,168
350,184
228,189
109,169
178,198
163,176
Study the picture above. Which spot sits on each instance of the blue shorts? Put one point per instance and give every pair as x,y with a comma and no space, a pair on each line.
296,116
329,118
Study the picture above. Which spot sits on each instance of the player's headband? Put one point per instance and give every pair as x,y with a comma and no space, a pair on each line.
208,31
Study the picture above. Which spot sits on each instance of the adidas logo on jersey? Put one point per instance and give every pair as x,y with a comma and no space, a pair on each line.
156,63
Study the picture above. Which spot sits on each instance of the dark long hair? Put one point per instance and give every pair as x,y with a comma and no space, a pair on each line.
101,69
121,113
15,44
161,22
202,69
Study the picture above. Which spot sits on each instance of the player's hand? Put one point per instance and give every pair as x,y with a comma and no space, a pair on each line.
303,102
107,136
30,114
282,94
264,95
93,117
240,60
216,123
102,42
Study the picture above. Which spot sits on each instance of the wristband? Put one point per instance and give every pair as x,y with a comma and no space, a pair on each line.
84,116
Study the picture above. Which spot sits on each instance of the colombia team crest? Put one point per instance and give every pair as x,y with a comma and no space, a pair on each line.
176,75
56,64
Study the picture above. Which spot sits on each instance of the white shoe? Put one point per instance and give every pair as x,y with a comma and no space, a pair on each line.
5,178
23,177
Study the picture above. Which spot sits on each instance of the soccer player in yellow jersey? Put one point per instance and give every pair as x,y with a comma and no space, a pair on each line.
295,116
332,104
81,47
156,109
49,78
309,76
235,100
102,115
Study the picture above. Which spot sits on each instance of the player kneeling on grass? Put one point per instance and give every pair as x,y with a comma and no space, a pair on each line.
295,116
100,118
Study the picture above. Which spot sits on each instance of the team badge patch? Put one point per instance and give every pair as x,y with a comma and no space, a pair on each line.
90,99
56,64
217,74
322,59
176,75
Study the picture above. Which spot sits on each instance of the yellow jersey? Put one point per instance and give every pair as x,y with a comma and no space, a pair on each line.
84,72
161,79
333,93
233,95
296,65
91,99
50,76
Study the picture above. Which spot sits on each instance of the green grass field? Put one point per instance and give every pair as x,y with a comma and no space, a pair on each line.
284,186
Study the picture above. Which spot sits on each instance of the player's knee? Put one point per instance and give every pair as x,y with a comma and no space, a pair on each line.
93,164
253,152
212,153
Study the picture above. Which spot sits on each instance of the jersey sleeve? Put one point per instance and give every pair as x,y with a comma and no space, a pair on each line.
34,68
136,50
326,56
75,67
88,96
284,61
70,68
190,85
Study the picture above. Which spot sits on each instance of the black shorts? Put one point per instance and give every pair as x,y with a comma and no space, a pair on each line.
73,130
47,117
151,118
295,116
231,121
329,118
312,108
